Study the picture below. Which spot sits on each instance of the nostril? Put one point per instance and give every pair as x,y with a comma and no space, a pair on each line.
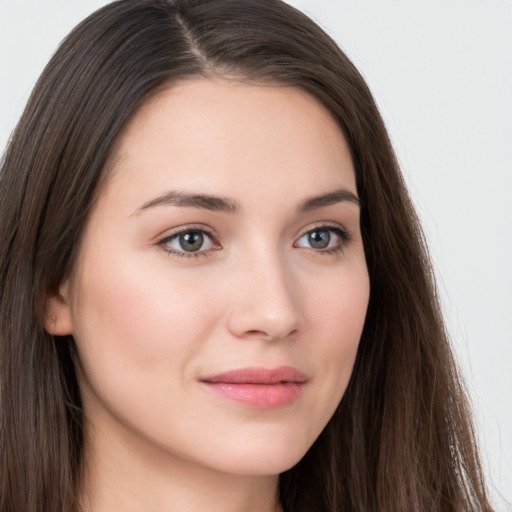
270,335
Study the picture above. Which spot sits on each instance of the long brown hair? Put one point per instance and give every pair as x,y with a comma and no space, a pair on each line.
401,438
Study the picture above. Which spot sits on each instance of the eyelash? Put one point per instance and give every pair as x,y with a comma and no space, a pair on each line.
344,236
184,254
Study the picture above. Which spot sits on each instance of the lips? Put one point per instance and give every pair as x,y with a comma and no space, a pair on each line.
261,388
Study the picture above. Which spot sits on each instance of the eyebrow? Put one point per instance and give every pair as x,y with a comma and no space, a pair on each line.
336,196
193,200
227,205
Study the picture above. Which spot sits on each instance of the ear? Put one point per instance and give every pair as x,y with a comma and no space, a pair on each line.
58,319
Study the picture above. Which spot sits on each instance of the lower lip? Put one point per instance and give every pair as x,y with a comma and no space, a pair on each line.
259,396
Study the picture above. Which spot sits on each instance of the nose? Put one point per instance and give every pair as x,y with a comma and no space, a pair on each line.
264,300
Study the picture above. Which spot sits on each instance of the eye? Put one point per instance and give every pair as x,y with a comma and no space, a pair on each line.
324,239
188,242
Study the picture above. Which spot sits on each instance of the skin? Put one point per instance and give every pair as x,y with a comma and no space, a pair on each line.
151,320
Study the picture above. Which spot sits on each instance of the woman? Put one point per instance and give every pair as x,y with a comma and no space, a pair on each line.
214,289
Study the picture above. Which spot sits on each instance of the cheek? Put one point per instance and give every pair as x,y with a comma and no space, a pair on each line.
337,314
134,318
344,317
138,330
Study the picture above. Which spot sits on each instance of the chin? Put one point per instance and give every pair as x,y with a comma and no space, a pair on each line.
268,457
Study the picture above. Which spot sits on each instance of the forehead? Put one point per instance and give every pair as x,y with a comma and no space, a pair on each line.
203,134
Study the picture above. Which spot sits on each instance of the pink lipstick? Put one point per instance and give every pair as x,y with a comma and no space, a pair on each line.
261,388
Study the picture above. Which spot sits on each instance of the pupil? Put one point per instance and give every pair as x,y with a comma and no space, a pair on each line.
191,242
319,239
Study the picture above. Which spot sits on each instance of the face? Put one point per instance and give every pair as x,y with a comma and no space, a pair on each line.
221,286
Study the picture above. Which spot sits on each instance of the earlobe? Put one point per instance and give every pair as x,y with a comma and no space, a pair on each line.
58,319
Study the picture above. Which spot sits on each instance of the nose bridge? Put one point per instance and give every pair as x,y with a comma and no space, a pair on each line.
264,302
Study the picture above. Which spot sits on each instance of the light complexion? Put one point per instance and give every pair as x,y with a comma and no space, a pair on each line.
223,255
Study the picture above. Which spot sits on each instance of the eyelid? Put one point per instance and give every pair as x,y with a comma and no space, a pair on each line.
344,235
334,226
205,230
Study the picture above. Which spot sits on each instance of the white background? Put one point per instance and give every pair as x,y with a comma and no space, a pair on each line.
441,72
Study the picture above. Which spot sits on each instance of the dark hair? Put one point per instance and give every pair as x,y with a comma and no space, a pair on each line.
401,438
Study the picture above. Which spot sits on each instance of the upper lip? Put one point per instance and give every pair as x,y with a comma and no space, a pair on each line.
258,375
